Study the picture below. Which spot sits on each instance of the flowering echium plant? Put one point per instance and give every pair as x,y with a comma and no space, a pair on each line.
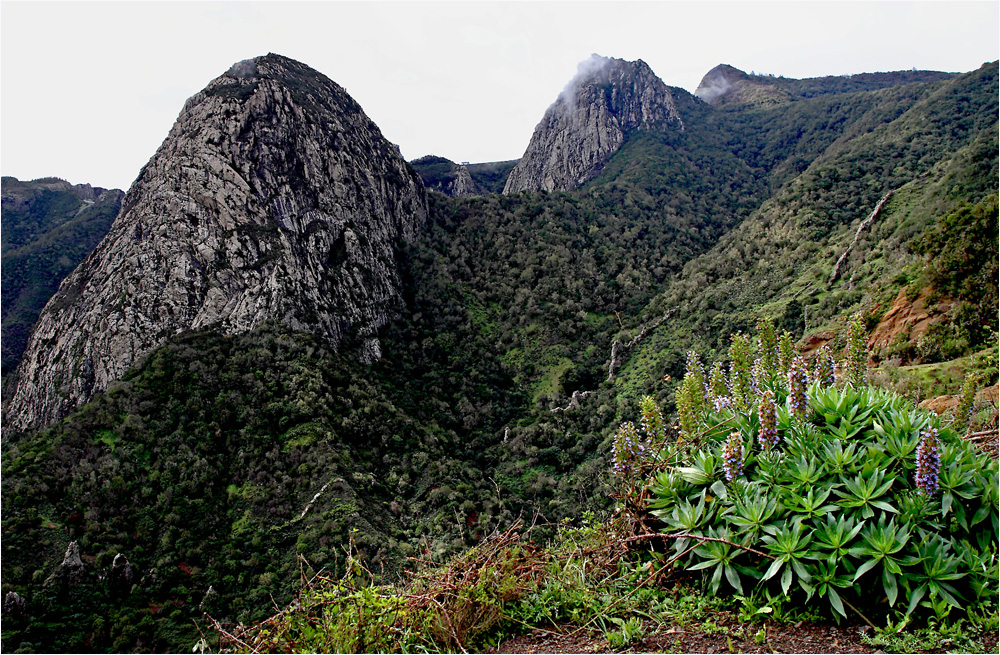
652,421
928,462
631,447
767,345
696,370
856,355
798,381
732,456
690,405
627,451
767,435
739,371
718,387
786,352
824,367
758,377
966,399
869,503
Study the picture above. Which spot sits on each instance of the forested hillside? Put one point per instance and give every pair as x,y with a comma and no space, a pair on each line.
49,226
936,158
532,325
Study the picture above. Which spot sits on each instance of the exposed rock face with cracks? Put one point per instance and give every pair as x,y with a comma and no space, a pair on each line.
606,101
274,198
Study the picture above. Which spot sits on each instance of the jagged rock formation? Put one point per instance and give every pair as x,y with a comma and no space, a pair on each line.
606,101
14,605
274,198
71,570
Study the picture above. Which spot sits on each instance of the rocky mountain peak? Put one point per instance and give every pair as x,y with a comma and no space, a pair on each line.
273,198
607,100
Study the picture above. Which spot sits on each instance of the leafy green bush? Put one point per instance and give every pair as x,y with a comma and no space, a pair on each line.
863,501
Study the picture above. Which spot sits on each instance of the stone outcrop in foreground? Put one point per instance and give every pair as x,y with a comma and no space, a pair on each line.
273,198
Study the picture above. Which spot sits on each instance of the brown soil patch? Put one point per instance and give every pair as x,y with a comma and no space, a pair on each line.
815,341
940,404
726,635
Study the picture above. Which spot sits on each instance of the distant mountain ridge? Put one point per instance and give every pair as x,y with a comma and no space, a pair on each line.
462,180
725,85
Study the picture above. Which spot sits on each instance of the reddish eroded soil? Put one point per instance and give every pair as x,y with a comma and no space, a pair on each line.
909,318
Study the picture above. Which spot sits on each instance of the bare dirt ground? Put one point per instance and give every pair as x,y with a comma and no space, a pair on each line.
755,638
725,635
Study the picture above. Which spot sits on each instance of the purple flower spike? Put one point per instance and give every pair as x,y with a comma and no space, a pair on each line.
732,456
928,462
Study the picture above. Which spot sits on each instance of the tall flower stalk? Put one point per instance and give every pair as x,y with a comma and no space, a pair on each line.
767,437
823,367
739,371
767,345
856,364
696,370
653,424
928,462
786,352
732,456
627,450
966,399
718,388
690,404
798,381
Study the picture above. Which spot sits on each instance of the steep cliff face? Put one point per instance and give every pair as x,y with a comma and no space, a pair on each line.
606,101
273,198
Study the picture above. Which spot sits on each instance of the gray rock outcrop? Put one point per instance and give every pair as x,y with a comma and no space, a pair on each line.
71,570
463,186
606,101
121,576
14,605
273,198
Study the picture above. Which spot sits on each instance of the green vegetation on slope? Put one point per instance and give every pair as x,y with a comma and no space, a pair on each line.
812,503
48,228
779,262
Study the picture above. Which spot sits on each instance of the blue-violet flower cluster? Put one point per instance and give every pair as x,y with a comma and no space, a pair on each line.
767,437
628,448
732,456
928,462
798,380
823,371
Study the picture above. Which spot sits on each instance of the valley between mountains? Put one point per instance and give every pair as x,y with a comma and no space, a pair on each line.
287,355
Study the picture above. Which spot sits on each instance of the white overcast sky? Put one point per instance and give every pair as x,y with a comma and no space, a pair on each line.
89,90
